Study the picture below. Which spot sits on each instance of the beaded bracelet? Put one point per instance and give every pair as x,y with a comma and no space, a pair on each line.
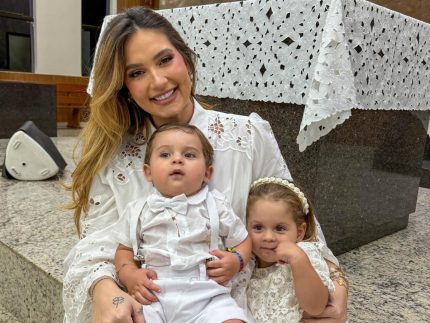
239,257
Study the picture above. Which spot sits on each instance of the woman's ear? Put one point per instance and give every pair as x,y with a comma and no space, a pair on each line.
147,172
301,231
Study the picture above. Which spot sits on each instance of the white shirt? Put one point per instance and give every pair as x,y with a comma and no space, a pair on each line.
178,236
245,150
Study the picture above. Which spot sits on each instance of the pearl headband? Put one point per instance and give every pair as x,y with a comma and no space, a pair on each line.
287,184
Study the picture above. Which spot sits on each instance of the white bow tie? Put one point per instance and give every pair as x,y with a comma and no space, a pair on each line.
158,203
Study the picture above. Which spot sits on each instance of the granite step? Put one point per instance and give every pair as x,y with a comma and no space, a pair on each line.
36,233
6,317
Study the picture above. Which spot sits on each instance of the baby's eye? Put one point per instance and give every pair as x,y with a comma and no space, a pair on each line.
164,155
166,59
257,227
190,155
280,228
135,74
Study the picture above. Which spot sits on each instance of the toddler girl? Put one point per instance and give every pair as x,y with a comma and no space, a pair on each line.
290,274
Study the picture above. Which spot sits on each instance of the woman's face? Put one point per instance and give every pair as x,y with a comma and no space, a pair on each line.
157,77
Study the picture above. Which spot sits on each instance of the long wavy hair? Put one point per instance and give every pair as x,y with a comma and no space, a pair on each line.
112,115
279,193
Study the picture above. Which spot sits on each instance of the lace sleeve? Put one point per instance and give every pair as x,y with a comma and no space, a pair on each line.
314,252
267,159
92,257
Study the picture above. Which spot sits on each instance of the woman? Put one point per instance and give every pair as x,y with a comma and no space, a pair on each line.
144,76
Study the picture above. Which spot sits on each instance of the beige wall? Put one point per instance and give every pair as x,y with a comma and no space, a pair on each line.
57,37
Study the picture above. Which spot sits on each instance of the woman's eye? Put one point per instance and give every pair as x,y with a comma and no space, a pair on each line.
135,74
166,59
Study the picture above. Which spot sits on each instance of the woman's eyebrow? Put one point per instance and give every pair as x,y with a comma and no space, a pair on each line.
161,53
156,57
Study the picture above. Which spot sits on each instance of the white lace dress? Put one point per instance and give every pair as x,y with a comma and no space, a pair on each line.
245,150
270,292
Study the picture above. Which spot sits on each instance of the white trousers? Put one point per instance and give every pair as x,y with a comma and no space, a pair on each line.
187,296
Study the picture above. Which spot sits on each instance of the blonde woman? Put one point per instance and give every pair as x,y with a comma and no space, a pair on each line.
144,76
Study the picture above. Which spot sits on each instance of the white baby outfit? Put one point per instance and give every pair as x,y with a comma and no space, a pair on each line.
270,292
173,237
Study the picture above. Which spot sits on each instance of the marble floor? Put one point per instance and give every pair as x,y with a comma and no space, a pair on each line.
389,278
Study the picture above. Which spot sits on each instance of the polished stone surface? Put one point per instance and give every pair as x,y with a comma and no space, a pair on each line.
21,102
389,278
36,233
362,177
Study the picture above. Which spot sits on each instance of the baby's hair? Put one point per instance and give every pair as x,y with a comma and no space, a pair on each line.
208,151
274,189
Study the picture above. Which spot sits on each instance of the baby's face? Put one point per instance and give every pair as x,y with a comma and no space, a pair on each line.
270,223
177,164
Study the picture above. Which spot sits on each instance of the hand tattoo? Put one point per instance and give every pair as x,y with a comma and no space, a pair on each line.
117,300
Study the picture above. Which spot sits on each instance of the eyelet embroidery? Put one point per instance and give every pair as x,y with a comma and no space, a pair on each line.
225,132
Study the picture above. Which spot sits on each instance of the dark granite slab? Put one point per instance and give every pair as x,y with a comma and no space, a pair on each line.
20,102
362,178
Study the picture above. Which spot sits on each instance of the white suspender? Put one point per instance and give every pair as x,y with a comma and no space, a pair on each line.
214,221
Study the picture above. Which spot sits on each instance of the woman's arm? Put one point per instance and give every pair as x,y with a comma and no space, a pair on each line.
92,258
311,292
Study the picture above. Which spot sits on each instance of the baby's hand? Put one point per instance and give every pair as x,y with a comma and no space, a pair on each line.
139,283
287,251
224,268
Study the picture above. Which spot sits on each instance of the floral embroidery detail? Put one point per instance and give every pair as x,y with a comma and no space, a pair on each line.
121,177
230,132
139,139
217,127
248,126
131,150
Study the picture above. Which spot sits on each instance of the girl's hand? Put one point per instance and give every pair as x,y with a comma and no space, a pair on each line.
112,305
287,251
139,283
224,268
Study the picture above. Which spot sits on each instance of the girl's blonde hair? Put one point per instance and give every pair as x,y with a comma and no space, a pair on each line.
278,192
113,114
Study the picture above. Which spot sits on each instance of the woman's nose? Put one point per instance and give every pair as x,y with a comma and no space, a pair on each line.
158,79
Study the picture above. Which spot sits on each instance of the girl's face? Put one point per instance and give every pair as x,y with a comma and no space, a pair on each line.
269,223
157,77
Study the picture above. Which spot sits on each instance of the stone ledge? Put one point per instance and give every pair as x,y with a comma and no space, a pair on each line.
36,234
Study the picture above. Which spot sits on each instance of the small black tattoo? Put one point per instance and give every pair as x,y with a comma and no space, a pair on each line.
140,311
117,300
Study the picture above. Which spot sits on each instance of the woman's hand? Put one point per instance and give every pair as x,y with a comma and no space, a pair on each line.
112,305
139,283
224,268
